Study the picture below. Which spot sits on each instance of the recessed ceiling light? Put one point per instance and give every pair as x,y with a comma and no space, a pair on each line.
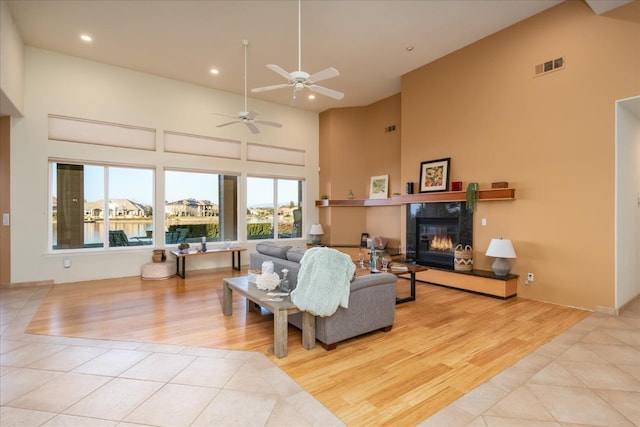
409,48
312,97
214,71
86,38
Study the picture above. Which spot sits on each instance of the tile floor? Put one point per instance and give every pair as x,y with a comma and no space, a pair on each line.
589,375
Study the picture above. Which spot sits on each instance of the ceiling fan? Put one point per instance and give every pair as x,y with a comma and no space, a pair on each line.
299,80
247,117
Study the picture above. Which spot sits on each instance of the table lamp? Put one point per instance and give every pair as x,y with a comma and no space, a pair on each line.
316,232
501,249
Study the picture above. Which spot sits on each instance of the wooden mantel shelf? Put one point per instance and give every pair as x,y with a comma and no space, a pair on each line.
445,196
456,196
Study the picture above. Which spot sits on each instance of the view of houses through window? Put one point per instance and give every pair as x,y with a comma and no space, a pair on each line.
200,204
269,199
94,206
82,217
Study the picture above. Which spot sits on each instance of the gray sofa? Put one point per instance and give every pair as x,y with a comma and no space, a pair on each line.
372,299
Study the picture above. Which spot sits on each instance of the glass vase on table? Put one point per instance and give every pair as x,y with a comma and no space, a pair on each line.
284,283
386,260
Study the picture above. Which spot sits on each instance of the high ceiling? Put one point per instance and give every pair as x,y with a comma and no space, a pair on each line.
366,40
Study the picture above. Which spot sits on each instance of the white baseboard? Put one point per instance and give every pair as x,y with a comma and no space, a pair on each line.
606,310
26,284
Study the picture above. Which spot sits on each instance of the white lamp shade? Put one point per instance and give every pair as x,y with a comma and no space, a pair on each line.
316,229
501,248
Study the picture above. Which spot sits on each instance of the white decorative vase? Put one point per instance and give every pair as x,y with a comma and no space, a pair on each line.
267,267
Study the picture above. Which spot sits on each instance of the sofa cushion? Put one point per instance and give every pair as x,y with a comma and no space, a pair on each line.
268,248
295,254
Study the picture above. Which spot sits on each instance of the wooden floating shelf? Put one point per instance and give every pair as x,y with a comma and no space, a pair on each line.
445,196
355,202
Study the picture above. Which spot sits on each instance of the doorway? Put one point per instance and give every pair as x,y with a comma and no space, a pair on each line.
627,201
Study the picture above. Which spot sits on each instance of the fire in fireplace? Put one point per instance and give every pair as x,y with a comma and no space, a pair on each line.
436,239
435,229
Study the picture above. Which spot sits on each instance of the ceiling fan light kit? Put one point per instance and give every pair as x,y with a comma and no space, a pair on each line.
247,117
299,80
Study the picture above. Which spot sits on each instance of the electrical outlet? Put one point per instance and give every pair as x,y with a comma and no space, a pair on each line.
530,277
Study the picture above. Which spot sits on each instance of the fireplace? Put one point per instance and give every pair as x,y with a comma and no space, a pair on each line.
435,229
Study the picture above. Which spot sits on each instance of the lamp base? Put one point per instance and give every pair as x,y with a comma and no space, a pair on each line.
500,267
315,239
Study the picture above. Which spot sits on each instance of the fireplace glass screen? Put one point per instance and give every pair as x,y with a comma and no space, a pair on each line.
435,229
436,240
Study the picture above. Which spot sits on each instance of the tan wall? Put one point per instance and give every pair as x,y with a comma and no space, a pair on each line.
550,137
5,181
383,158
354,147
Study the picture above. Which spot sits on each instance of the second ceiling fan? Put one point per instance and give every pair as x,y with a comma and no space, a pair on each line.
299,79
247,117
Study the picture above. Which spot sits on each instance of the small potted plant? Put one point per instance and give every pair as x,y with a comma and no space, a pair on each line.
473,193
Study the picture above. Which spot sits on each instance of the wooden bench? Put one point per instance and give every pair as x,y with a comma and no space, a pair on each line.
182,256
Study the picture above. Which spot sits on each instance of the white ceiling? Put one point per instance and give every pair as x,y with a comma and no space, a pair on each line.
365,40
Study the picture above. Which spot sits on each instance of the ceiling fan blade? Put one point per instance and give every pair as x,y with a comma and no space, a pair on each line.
274,124
326,92
279,70
225,115
324,74
252,127
272,87
227,124
251,115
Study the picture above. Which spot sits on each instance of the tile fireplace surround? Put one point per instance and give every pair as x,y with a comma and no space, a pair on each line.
428,223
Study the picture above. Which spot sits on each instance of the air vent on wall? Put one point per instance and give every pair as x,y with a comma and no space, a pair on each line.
548,66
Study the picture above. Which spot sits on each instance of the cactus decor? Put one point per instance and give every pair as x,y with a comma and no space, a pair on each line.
473,193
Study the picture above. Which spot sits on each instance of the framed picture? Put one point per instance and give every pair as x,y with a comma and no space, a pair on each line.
379,187
363,240
434,175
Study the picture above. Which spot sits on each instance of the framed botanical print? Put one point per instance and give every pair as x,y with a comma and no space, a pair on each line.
379,187
434,175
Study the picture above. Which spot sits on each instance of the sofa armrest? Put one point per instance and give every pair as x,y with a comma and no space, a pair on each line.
369,280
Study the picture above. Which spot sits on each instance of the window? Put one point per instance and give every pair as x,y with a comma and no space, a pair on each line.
200,204
95,206
269,199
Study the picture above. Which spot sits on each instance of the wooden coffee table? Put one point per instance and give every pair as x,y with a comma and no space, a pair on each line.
280,310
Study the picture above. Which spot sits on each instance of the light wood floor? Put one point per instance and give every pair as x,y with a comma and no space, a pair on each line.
441,346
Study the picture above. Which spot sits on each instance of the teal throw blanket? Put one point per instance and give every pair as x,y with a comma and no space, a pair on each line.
324,281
